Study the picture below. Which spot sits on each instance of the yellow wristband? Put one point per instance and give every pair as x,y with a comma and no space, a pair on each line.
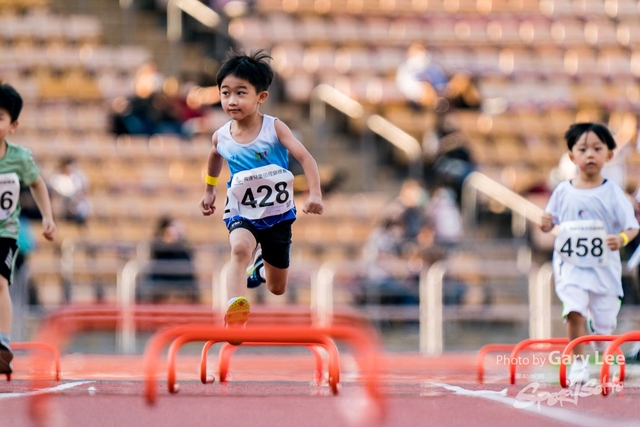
625,238
211,180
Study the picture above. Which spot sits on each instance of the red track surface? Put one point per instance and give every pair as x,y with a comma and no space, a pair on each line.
278,388
272,388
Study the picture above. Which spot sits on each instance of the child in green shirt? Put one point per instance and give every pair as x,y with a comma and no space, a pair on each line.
17,168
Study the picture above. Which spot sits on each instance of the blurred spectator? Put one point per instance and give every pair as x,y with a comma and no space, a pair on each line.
409,209
426,84
71,186
395,249
453,161
171,271
155,108
461,92
387,279
445,219
420,78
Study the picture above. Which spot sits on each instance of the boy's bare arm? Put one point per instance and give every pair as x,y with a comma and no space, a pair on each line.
41,197
214,167
546,222
616,241
313,204
631,233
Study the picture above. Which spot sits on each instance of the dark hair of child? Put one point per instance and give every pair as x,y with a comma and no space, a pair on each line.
253,68
576,130
10,100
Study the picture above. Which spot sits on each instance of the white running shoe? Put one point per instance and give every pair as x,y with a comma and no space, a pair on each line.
578,373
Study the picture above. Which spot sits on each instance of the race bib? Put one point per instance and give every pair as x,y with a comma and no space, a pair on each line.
260,193
9,194
583,243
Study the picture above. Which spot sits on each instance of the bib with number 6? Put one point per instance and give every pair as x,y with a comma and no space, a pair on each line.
9,193
583,243
260,193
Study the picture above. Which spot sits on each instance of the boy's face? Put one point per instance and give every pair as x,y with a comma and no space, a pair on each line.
590,154
7,127
239,97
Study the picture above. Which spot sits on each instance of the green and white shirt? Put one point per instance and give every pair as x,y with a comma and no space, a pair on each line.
17,168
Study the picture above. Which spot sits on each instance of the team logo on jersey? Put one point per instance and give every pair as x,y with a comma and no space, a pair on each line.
581,213
260,156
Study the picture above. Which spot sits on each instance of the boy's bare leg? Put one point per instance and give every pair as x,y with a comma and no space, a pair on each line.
576,328
242,245
5,326
276,278
5,306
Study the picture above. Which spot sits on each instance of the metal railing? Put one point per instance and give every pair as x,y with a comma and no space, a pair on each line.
431,303
198,11
129,280
521,208
325,94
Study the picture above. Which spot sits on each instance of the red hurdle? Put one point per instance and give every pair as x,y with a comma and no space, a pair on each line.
528,343
489,348
224,357
227,349
608,355
61,325
495,348
48,348
584,339
360,339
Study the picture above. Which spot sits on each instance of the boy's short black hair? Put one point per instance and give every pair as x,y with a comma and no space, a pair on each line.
253,68
10,100
576,130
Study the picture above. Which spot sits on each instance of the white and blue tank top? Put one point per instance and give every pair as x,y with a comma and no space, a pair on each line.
260,189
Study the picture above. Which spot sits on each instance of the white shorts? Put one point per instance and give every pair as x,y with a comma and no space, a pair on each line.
601,311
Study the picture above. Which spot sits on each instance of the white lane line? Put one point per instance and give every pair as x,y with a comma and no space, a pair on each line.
558,414
44,390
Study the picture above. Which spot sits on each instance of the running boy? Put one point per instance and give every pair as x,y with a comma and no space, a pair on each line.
259,209
17,168
596,219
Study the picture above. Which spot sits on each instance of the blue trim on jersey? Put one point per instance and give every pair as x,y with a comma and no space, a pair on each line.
264,223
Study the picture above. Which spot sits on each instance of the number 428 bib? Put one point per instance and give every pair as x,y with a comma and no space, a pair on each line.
260,193
583,243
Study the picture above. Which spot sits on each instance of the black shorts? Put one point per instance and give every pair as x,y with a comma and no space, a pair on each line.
8,254
275,241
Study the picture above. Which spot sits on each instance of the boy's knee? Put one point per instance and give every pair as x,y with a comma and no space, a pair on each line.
241,250
575,316
276,288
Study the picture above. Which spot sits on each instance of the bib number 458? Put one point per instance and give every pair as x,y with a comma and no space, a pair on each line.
583,247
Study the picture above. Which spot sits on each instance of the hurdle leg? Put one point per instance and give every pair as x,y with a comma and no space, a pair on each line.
489,348
203,364
527,343
608,354
584,339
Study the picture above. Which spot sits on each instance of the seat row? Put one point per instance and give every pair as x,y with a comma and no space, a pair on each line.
437,30
46,28
577,8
